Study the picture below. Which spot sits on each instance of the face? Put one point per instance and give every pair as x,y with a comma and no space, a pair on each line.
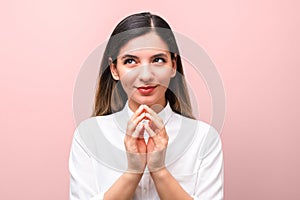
144,67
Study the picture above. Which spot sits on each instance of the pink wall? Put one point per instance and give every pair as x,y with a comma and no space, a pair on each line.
254,45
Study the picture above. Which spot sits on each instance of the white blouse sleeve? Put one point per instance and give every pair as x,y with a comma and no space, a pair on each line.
210,179
83,183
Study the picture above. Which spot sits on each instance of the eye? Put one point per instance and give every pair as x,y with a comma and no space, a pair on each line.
129,61
159,60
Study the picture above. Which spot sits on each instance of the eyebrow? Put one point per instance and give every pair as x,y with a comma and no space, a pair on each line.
133,56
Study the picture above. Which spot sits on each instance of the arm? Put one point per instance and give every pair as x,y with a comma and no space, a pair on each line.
135,145
209,184
84,183
124,187
210,178
167,186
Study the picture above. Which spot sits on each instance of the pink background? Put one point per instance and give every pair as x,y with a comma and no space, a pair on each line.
254,45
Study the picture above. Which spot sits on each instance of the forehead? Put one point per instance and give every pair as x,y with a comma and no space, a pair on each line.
148,42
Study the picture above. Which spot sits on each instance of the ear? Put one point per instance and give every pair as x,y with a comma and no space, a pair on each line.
174,65
113,69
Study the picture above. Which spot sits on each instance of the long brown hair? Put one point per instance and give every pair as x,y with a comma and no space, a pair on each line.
110,97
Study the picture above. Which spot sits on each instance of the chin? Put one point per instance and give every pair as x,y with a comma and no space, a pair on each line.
147,100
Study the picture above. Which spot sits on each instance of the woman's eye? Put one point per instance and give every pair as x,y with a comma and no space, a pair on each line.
129,61
159,60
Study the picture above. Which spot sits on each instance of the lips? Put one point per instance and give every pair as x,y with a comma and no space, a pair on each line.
146,90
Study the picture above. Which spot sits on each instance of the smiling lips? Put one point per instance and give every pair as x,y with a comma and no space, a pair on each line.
145,90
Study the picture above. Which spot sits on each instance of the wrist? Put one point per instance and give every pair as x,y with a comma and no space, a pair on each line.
136,169
132,177
159,174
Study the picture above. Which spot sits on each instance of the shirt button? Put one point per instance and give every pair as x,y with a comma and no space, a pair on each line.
145,189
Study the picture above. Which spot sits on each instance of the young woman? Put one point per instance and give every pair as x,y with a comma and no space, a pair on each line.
142,141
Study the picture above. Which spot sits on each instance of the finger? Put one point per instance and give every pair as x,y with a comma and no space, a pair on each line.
149,130
132,124
156,121
153,115
138,131
160,127
137,112
139,118
149,110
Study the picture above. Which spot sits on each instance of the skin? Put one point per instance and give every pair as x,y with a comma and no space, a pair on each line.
145,62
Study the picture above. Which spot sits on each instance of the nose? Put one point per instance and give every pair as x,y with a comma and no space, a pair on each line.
146,74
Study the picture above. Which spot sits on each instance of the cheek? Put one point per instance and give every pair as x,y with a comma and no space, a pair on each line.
127,78
164,76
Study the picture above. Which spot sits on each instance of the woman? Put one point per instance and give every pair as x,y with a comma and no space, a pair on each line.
142,141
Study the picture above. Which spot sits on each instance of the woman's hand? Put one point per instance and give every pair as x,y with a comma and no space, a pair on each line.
158,140
134,142
140,154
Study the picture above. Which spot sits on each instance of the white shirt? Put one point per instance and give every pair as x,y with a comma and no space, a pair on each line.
98,157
